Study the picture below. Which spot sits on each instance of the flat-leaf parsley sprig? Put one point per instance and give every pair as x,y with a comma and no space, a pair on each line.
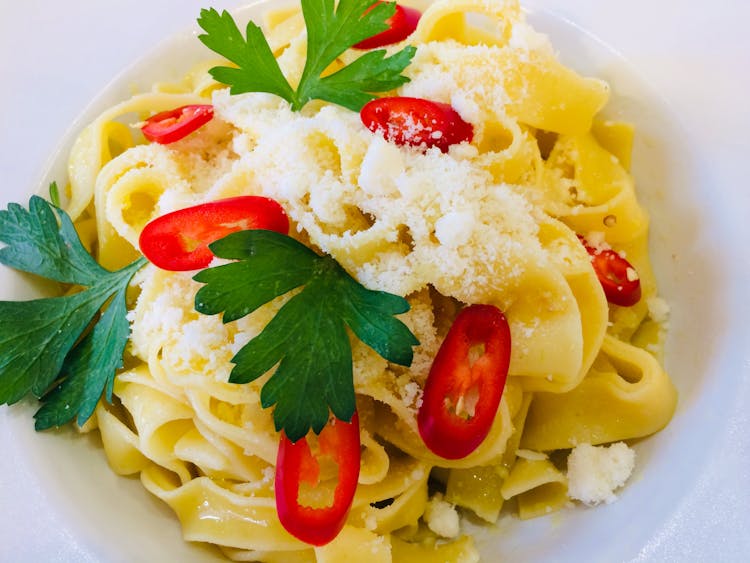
47,346
307,338
331,30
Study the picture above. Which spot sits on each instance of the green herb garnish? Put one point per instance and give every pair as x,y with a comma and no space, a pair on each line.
66,350
307,338
331,30
54,194
46,346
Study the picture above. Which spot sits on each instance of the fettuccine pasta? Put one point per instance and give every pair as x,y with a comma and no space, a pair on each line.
494,221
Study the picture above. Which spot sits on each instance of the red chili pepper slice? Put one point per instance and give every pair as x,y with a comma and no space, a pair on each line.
295,464
402,24
172,125
466,382
416,122
619,279
179,240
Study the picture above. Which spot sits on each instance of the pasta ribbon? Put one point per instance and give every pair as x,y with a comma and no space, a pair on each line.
625,395
538,486
93,147
447,19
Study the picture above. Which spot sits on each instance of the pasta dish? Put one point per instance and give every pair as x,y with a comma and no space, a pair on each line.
510,214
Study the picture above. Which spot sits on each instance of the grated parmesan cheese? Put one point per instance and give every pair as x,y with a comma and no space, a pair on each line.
441,517
383,163
658,309
631,274
595,472
454,228
596,240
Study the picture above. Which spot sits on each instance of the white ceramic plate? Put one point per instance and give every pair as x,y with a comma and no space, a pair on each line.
680,72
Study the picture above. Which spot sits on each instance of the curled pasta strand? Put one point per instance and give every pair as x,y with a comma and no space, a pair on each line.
91,151
634,397
446,19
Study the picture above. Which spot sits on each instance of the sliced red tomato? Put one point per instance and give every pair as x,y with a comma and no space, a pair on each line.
178,241
465,383
172,125
619,279
416,122
295,464
402,24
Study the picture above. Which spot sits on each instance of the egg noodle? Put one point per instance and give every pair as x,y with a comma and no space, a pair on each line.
495,221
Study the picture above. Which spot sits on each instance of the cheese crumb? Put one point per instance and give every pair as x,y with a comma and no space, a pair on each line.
595,472
441,517
412,394
371,523
454,228
658,309
531,455
382,164
269,474
596,240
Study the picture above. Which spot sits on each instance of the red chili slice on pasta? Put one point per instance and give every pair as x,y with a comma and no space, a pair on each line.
172,125
402,24
619,279
466,382
295,464
416,122
178,241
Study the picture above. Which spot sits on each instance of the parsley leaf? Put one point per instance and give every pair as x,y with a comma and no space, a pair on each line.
258,70
307,339
45,341
331,30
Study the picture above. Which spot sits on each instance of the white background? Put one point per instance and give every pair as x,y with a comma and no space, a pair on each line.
55,56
